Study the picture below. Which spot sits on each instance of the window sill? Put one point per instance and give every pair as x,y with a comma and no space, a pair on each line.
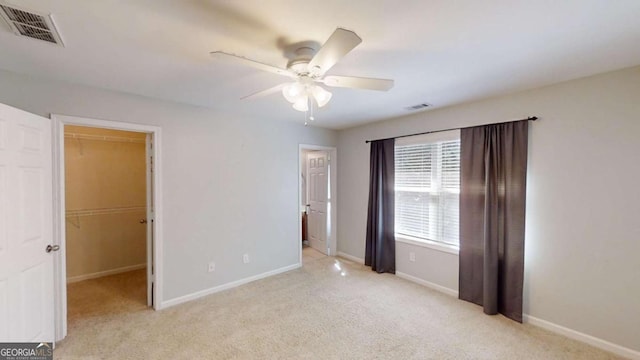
428,244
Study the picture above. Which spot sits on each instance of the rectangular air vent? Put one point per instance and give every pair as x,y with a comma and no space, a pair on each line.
418,107
30,24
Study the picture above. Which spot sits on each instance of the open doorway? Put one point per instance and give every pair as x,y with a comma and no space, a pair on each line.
108,216
317,202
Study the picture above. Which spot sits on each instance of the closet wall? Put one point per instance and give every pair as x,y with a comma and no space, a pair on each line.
105,181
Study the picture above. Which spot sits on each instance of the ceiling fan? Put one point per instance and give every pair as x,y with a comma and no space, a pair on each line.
307,67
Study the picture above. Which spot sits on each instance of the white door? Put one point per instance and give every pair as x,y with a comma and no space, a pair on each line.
26,227
318,198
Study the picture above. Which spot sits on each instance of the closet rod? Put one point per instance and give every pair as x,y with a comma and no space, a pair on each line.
104,211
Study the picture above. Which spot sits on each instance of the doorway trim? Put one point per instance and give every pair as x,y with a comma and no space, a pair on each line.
332,240
154,251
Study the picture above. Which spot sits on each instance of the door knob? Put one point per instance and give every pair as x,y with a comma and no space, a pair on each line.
51,248
143,221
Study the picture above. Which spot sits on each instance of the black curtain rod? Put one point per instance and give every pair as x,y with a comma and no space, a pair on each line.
532,118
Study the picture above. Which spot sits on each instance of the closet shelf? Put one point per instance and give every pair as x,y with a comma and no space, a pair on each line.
103,138
106,211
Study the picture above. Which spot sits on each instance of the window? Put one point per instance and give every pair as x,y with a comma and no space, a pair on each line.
427,186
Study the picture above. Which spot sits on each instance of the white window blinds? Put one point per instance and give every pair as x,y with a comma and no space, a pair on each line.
427,184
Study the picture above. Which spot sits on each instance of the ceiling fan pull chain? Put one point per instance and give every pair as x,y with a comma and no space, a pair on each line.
311,109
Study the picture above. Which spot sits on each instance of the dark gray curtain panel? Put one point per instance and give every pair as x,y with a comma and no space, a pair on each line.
493,175
380,251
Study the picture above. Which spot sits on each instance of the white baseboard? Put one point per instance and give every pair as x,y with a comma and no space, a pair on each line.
98,274
573,334
588,339
213,290
350,257
428,284
558,329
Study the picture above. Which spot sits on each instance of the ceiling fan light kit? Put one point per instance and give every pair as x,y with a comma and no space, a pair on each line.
308,67
302,104
321,95
300,94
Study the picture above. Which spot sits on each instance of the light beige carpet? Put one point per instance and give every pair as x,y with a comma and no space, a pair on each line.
329,309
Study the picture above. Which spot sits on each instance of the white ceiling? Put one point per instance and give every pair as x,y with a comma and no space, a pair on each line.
441,52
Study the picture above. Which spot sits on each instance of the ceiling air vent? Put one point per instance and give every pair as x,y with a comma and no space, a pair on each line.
418,107
30,24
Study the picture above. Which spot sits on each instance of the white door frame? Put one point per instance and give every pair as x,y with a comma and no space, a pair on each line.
332,238
154,252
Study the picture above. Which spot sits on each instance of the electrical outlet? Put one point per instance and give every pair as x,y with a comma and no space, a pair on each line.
212,266
245,258
412,256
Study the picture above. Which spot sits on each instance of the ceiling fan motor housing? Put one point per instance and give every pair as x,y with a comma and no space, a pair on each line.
300,59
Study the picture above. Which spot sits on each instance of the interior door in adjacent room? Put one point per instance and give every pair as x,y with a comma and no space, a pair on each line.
318,197
26,227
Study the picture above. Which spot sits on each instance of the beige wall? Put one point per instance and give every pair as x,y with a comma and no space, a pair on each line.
105,199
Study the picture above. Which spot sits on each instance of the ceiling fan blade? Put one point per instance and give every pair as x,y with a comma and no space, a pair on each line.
263,93
358,82
254,64
338,45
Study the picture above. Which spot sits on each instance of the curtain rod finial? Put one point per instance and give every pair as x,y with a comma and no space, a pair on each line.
533,118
